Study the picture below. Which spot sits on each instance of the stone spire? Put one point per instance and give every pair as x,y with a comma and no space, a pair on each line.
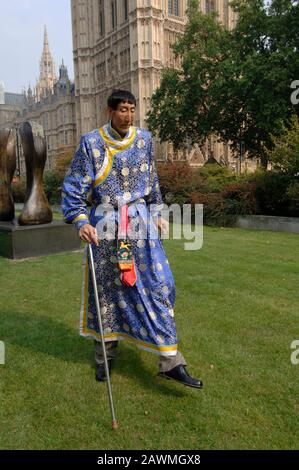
63,73
30,97
47,75
46,40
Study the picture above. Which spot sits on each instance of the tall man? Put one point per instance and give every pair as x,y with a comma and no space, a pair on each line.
114,165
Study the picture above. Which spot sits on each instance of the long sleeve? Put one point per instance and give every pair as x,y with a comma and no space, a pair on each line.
154,198
76,185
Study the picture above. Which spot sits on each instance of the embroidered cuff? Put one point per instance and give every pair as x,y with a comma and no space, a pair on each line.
81,220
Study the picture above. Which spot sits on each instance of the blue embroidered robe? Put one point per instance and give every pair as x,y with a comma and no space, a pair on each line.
115,175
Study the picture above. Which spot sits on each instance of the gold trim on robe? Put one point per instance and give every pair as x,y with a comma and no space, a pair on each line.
113,146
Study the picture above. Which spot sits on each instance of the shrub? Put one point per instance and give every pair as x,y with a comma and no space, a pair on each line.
62,162
271,193
293,194
223,207
285,152
216,177
223,194
213,207
52,184
177,181
19,191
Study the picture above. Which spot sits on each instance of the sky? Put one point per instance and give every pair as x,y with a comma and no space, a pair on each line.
22,35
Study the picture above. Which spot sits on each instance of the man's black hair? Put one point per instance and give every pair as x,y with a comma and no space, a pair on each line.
120,96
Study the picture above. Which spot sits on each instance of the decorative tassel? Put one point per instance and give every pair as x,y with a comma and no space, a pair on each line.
129,278
125,258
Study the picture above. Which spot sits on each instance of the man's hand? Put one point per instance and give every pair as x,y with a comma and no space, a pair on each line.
88,234
163,225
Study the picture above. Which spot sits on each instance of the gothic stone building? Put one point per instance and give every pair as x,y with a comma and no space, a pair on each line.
126,44
11,105
51,103
55,111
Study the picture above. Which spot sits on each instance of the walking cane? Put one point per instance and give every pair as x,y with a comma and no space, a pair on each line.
94,281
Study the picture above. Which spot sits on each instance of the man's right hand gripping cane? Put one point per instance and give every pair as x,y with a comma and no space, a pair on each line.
88,234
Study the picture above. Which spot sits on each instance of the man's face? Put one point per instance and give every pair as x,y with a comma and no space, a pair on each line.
122,117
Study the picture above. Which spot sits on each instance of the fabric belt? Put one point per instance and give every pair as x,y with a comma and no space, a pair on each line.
125,258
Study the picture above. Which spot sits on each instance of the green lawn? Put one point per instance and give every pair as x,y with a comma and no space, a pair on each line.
236,314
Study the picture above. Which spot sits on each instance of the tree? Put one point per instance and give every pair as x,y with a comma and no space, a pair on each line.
233,84
183,107
62,162
285,152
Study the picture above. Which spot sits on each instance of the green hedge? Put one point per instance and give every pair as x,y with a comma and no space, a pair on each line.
19,191
226,195
52,184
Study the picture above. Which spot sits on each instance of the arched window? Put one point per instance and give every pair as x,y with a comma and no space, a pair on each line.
225,12
126,9
113,14
210,6
101,18
174,7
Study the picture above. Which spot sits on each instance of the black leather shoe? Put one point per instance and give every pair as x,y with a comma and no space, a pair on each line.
101,373
179,374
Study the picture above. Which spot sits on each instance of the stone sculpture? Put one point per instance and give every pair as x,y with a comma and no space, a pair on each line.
7,169
36,209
